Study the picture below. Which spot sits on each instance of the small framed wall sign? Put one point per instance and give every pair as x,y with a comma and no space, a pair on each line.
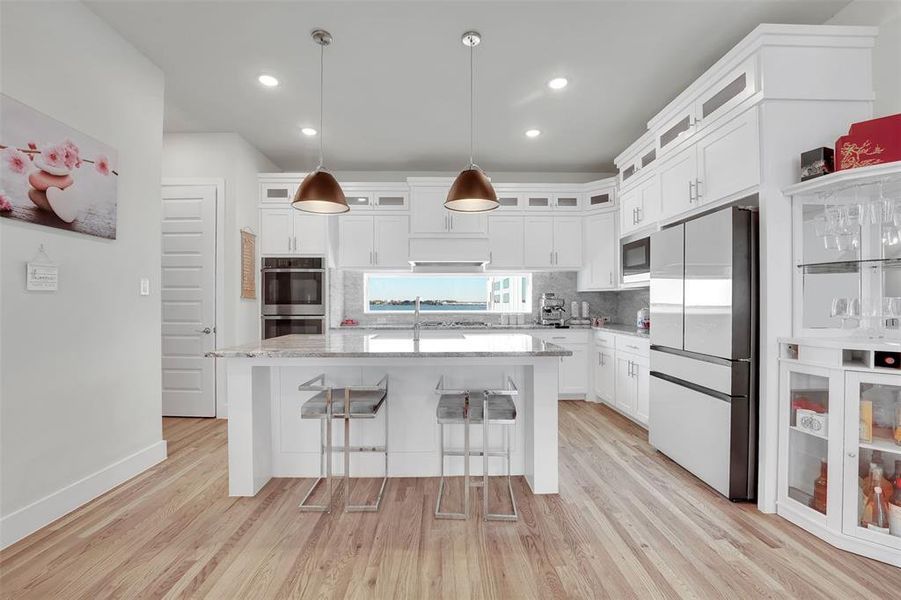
41,273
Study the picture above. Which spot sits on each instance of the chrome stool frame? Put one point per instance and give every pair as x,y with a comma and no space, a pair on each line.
325,415
466,420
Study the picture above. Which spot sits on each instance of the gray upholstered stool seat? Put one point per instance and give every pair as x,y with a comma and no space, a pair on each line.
363,404
501,410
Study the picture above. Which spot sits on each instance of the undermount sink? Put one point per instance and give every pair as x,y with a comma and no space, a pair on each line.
425,335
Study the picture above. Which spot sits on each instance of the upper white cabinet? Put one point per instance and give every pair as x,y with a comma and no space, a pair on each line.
281,192
553,242
728,159
599,250
678,178
289,231
640,206
374,241
429,216
506,238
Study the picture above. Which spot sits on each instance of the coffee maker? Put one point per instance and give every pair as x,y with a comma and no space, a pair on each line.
551,309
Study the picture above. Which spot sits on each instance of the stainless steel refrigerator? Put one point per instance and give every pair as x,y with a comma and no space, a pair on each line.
703,395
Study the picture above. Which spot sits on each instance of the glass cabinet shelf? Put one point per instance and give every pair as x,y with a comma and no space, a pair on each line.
850,266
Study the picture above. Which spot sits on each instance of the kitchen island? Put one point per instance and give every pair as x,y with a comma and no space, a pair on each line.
267,438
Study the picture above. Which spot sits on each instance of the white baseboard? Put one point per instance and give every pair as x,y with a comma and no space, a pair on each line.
27,520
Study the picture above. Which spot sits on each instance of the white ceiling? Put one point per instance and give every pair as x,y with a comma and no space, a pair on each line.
397,75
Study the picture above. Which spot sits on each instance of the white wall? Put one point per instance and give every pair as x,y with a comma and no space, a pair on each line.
80,406
887,52
225,156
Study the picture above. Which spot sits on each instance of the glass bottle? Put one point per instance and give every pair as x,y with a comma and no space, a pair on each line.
879,511
818,502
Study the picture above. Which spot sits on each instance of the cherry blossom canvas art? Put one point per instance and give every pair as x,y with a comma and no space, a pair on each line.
54,175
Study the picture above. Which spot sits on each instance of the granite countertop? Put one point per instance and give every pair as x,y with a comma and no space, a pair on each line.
396,344
617,328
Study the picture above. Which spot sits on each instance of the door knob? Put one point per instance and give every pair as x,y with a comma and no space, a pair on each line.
206,330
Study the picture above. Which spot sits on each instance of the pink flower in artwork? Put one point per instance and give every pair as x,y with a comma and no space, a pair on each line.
5,204
53,156
32,145
15,160
71,156
102,165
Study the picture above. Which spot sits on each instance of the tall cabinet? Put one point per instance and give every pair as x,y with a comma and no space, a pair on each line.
840,382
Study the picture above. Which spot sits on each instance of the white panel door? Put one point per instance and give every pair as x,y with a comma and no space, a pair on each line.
601,256
506,239
463,223
677,183
604,374
539,235
649,201
574,370
276,231
625,385
427,210
641,374
568,242
392,241
629,205
356,244
728,159
309,233
188,296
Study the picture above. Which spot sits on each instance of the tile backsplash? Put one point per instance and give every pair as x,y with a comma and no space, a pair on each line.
346,300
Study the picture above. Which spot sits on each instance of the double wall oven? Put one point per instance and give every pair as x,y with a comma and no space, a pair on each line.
293,296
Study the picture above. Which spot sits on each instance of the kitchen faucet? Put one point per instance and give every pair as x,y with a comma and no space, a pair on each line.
417,323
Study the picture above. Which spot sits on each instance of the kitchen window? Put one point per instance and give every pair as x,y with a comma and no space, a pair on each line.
479,293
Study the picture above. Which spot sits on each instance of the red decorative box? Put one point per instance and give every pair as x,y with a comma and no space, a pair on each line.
869,143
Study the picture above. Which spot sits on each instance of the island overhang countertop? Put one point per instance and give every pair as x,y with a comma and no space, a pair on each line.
396,344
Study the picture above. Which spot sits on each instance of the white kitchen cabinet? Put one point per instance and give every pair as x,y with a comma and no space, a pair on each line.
625,400
506,237
289,231
356,241
568,242
280,192
392,241
429,216
276,231
539,248
553,242
391,200
599,250
640,206
632,385
574,371
677,183
567,202
373,241
604,379
728,159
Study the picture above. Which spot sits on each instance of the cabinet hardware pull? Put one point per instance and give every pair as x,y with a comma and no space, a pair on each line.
698,193
611,277
376,257
852,455
639,211
370,257
552,257
690,192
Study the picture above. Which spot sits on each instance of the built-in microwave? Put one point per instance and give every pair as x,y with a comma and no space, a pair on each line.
636,261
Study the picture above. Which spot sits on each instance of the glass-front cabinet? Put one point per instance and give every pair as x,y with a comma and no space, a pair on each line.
847,252
807,416
872,510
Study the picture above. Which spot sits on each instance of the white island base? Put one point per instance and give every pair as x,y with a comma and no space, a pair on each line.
267,438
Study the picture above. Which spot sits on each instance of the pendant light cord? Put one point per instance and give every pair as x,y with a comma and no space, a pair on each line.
321,79
471,102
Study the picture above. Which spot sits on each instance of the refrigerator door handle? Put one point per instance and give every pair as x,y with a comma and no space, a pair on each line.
692,386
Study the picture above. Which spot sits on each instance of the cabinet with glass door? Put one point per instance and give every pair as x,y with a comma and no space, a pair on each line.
872,507
847,252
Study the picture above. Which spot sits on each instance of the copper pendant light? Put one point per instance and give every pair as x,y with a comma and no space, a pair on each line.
471,190
319,192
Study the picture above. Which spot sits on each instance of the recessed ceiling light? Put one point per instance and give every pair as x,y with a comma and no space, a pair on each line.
558,83
268,80
308,131
533,133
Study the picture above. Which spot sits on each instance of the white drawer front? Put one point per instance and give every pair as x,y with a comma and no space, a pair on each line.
710,375
635,345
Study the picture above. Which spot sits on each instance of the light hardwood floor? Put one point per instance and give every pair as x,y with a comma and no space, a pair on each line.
628,523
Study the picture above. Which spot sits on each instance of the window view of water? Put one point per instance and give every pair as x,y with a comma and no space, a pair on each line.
448,293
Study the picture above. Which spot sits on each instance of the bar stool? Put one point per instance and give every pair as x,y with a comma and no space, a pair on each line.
485,407
347,403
